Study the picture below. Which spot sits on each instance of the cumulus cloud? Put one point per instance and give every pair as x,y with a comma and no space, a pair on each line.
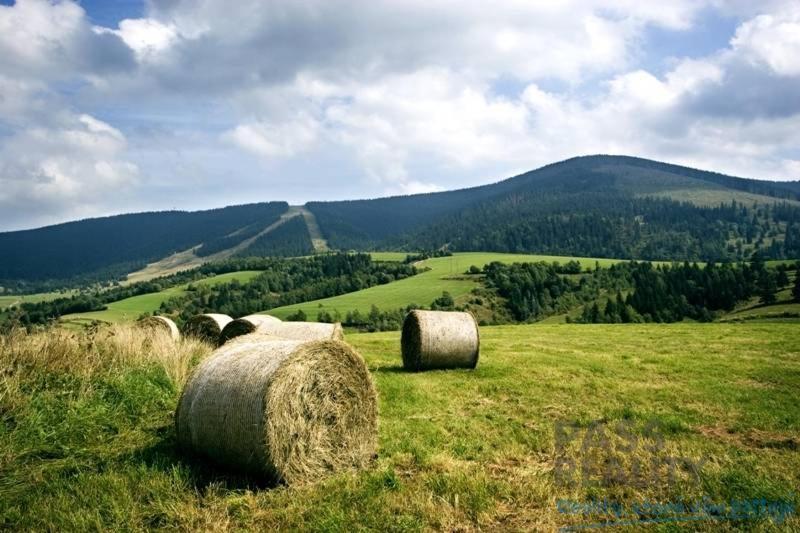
51,41
773,40
66,169
146,37
374,98
271,139
255,43
55,162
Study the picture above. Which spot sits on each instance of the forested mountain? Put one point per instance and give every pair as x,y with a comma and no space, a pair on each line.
608,206
101,248
605,206
290,239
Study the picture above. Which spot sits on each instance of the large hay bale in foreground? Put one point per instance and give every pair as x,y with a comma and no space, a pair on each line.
245,326
303,331
439,339
288,410
161,323
206,327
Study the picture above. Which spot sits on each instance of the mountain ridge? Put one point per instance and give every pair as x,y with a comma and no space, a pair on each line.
597,205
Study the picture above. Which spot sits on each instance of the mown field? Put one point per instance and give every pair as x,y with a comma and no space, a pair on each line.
445,274
11,300
87,441
130,309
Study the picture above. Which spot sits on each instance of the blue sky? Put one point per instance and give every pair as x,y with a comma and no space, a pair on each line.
117,106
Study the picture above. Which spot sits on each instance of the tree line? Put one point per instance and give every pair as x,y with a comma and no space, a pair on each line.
287,282
636,291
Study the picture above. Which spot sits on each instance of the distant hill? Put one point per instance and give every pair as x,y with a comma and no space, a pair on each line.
108,247
602,206
607,206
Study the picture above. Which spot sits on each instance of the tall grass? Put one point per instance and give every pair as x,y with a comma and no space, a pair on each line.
93,353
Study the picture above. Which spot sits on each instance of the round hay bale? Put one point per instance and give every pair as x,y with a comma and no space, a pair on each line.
287,410
161,323
206,327
245,326
439,339
303,331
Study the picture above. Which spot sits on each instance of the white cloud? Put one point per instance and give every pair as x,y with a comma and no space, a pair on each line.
73,166
773,39
146,37
406,96
270,140
53,40
37,35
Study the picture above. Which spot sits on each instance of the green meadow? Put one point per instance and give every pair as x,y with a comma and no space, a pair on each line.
87,437
17,299
443,274
440,274
131,308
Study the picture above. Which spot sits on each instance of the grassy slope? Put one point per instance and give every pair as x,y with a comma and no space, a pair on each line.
459,450
130,308
8,301
660,184
423,288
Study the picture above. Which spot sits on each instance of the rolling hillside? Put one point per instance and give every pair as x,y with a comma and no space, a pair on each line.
606,206
129,309
104,248
444,274
595,206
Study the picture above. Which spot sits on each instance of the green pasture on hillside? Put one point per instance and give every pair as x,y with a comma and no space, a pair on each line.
17,299
445,274
131,308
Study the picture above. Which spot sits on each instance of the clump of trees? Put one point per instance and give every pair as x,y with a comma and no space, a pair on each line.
796,288
287,282
633,292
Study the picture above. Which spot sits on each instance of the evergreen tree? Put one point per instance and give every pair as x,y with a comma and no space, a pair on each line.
796,289
783,278
594,314
767,288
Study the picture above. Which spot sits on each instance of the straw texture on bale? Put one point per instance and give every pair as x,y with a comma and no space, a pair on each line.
303,331
245,326
161,323
287,410
207,327
439,339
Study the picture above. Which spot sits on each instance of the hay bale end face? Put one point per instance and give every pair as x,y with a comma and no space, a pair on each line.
161,323
288,410
245,326
207,327
439,339
303,331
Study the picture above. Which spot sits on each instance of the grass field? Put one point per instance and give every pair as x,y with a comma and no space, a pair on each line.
8,301
445,274
779,310
87,441
131,308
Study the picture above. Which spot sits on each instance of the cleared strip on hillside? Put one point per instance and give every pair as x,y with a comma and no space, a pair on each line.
187,259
